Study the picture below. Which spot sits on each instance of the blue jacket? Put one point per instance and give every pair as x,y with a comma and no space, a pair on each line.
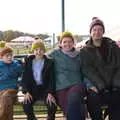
9,74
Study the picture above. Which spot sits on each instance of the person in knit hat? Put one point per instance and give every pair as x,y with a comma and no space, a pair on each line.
66,34
38,81
69,85
38,44
10,70
101,64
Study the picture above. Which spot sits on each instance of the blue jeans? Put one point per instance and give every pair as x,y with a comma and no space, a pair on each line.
76,108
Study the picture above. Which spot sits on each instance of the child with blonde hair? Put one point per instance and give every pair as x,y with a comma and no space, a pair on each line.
38,81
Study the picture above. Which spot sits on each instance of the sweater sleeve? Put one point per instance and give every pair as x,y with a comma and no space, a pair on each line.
116,76
51,81
25,82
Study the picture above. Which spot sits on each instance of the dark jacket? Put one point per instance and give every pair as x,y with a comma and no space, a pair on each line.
28,81
103,73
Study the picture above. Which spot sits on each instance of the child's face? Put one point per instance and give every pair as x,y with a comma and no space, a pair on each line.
67,43
39,52
7,58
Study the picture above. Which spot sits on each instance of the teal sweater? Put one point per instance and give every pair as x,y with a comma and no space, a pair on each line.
9,75
67,70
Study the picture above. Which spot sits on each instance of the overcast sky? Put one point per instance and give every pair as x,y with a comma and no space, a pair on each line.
39,16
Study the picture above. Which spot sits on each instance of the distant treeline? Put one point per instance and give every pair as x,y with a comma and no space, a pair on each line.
9,35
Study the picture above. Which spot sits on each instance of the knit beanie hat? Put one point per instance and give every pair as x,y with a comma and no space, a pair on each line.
66,34
38,44
2,45
97,21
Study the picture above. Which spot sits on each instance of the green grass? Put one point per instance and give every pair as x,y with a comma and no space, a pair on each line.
18,110
38,109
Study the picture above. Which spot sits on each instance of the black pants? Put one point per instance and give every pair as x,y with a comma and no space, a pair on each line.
38,94
96,100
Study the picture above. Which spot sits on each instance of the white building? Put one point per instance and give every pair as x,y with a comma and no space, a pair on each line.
23,41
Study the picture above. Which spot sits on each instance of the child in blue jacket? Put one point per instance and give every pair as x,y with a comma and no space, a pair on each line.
9,73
